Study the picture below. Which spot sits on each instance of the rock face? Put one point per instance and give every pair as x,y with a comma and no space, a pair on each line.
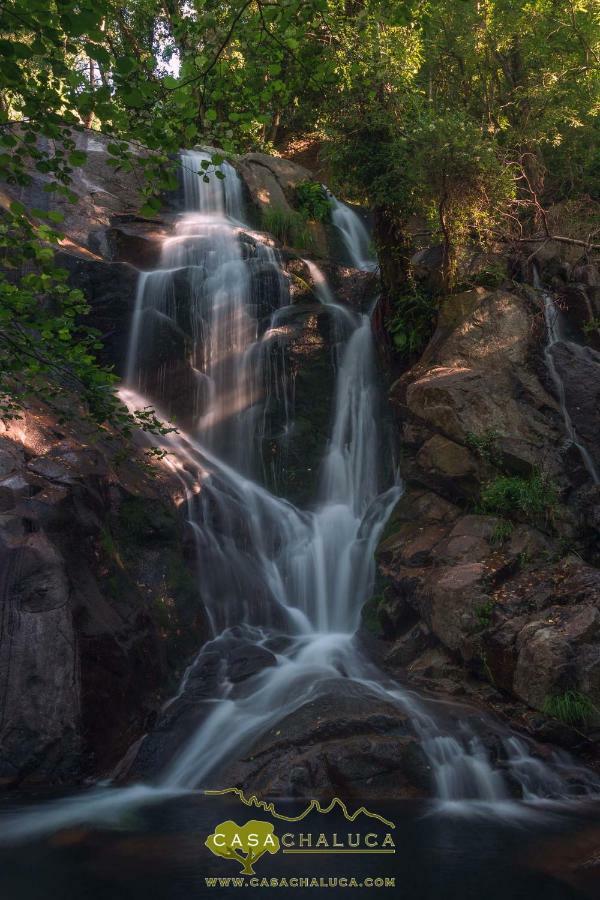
579,369
98,601
493,585
350,745
270,181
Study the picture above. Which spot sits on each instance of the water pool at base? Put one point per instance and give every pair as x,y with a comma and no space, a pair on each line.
158,853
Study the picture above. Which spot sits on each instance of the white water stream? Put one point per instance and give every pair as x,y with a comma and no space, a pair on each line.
554,336
272,575
354,235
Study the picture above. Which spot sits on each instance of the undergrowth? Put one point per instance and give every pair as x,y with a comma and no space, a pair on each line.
288,227
312,201
412,322
533,499
570,707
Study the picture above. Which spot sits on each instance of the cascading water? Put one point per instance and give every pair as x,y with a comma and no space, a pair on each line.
554,336
354,235
274,577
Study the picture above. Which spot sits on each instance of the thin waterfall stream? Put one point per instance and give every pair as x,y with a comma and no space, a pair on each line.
287,582
554,336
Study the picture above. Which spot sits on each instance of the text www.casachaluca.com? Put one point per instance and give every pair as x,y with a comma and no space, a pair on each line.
302,882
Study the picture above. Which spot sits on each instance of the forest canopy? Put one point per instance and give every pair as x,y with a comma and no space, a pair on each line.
470,116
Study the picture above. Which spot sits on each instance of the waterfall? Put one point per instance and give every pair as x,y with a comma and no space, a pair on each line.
285,582
554,322
354,235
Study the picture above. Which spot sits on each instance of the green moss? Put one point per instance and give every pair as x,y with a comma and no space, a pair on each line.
370,616
140,519
107,542
182,585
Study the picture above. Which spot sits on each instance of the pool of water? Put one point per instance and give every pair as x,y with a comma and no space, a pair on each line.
158,853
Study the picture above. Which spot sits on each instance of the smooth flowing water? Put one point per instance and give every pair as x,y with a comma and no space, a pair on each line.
354,235
554,335
272,576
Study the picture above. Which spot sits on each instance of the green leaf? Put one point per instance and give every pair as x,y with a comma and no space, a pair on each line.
134,98
125,64
77,157
100,54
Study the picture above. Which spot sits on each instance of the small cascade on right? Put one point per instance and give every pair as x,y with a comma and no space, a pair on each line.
555,335
356,238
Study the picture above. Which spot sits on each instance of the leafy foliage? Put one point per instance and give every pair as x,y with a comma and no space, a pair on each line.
461,119
412,322
312,200
533,498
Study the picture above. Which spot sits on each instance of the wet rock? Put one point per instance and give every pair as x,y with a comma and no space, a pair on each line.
135,241
345,743
579,369
269,289
407,647
110,289
38,665
393,614
243,662
294,444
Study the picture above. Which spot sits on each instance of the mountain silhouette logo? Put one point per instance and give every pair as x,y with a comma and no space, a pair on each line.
243,843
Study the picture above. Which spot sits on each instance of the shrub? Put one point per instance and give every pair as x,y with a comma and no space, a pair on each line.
592,325
532,498
313,202
412,322
491,276
571,707
289,228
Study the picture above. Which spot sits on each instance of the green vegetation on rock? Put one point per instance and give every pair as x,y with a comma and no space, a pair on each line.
412,321
457,122
570,707
289,227
533,499
312,200
484,445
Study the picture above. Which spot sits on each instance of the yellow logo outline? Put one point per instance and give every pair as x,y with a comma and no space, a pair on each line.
314,805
